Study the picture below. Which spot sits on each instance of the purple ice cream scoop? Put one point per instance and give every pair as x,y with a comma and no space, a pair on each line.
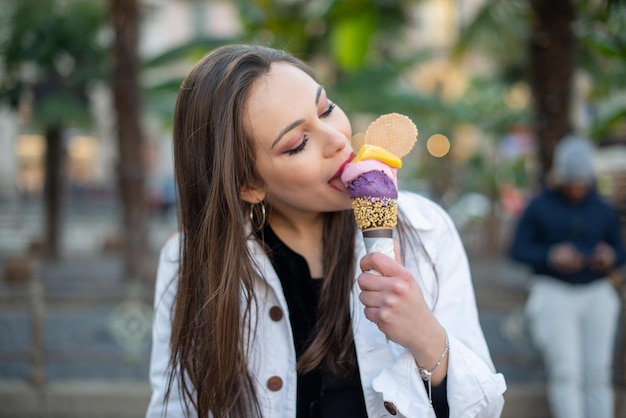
373,184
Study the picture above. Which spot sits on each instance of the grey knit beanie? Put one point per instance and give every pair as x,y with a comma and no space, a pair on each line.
573,160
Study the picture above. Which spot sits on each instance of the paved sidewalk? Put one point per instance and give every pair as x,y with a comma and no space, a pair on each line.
126,399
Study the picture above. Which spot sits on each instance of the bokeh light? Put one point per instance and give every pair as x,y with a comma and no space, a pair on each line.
438,145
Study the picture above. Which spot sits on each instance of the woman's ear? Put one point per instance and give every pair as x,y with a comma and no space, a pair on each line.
252,195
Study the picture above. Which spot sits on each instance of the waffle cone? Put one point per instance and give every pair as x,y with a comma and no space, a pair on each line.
375,213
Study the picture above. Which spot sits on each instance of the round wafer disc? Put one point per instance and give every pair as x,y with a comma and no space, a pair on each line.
395,132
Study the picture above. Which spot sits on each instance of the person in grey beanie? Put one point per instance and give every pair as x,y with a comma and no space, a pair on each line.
571,238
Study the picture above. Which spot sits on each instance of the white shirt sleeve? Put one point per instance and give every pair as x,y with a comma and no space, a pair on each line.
474,388
164,295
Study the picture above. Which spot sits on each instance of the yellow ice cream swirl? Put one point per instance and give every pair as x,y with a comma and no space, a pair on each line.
374,152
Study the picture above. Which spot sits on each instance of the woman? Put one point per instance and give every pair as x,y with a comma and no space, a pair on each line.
260,303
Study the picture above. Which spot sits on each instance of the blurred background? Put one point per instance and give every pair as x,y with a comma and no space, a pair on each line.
87,195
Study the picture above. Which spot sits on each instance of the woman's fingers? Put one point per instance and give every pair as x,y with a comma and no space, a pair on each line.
381,263
393,300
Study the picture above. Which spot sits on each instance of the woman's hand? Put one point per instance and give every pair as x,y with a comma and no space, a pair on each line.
394,302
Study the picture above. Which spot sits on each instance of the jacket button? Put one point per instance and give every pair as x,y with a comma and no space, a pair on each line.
276,313
390,407
274,383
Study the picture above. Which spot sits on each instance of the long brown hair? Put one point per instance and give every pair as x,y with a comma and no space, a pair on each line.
214,157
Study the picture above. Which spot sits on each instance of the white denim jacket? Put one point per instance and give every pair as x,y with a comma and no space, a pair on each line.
389,376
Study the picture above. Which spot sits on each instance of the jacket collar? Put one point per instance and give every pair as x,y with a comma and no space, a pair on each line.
266,270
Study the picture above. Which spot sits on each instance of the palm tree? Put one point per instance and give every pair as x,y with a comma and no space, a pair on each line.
51,52
544,43
128,109
551,67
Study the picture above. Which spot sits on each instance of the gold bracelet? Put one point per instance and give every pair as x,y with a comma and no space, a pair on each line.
427,375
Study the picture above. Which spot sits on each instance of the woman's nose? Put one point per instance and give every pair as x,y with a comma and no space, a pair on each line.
335,141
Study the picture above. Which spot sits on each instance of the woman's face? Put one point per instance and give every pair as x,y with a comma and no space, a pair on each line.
302,141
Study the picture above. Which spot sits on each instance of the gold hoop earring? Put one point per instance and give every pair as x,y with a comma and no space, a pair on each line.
261,208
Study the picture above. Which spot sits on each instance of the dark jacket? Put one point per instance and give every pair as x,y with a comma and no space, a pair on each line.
550,219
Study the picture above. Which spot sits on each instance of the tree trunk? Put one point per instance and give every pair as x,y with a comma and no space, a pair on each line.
53,191
551,67
127,101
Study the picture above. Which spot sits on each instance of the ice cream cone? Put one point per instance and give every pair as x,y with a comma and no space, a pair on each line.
372,182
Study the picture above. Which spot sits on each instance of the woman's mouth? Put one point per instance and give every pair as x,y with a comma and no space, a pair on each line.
335,182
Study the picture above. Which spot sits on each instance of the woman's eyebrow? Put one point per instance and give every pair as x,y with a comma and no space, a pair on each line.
286,129
294,124
320,88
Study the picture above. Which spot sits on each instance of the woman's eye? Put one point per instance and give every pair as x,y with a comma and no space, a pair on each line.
327,112
300,146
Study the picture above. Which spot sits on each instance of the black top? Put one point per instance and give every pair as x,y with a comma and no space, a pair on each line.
320,394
